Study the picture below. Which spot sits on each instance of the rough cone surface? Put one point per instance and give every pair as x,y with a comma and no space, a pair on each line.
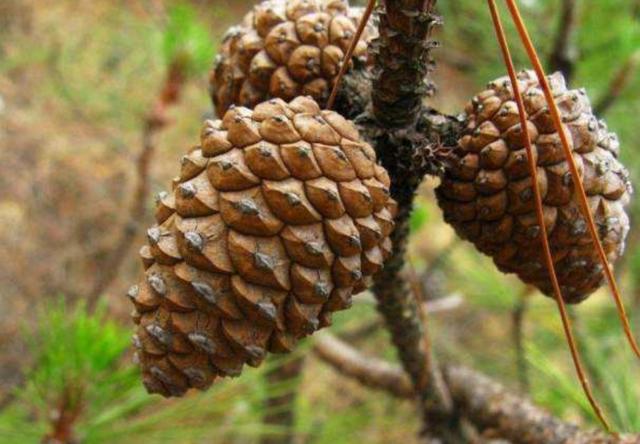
285,48
487,193
276,219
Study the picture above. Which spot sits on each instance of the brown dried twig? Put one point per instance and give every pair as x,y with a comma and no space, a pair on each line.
485,403
352,46
564,53
64,417
370,372
440,305
618,84
154,122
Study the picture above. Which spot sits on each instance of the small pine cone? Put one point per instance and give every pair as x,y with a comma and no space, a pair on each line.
487,195
276,219
285,48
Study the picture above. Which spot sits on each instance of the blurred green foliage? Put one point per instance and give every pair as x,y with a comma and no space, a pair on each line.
83,361
419,217
87,355
611,366
187,41
76,363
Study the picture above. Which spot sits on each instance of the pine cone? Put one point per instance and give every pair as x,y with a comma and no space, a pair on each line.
276,219
488,198
285,48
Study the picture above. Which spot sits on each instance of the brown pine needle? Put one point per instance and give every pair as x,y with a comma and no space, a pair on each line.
352,46
566,324
582,197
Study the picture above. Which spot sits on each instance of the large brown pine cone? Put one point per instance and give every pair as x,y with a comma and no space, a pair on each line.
276,219
487,193
285,48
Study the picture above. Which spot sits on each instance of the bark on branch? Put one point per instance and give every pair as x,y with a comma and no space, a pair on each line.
407,154
370,372
407,138
403,56
487,404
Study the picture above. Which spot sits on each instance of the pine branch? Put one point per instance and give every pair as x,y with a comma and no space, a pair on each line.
370,372
398,151
564,54
439,305
618,84
403,60
487,404
407,137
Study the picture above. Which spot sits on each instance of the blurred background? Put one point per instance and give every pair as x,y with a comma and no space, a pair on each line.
98,101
